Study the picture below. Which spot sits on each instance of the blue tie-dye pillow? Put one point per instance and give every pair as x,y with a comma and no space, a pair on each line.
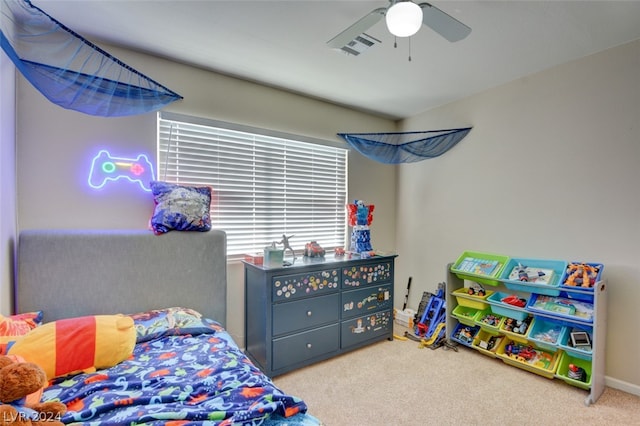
180,208
173,321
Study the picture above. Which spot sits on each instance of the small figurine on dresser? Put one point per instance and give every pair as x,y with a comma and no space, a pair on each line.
360,217
285,242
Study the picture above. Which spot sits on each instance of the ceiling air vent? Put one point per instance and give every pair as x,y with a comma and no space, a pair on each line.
359,44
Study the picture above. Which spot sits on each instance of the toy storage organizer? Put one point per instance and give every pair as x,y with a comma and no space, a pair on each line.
535,336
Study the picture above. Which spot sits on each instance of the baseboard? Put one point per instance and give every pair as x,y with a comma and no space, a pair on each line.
621,385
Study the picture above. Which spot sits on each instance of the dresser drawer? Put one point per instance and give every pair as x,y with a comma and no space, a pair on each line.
306,313
300,347
361,329
295,286
370,273
367,299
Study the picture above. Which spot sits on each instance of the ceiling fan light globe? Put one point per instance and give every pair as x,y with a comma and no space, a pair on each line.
404,19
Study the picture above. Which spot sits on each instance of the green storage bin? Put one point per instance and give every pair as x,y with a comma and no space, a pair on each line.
563,370
465,314
489,321
479,267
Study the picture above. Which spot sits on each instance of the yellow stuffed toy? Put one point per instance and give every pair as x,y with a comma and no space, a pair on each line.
21,385
81,344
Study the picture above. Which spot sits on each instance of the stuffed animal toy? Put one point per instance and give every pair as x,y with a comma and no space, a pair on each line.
81,344
21,385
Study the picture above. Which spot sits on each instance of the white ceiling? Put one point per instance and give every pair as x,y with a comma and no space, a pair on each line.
283,43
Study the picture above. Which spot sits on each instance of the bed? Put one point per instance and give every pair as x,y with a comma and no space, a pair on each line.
184,367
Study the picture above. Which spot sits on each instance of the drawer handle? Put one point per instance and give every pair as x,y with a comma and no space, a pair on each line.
308,313
308,345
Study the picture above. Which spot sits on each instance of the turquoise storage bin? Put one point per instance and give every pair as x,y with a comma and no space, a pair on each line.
546,334
548,284
505,309
565,344
569,270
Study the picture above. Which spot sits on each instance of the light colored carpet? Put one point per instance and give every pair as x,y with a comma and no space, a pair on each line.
397,383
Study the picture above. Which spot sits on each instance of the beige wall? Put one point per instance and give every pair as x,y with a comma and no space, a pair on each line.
55,147
549,171
7,181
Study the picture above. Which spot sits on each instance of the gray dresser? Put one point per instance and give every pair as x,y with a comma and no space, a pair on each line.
316,309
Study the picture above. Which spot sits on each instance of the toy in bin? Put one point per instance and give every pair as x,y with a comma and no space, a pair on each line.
526,353
491,343
577,373
580,340
520,352
576,309
528,274
476,289
491,319
581,275
514,300
517,326
465,334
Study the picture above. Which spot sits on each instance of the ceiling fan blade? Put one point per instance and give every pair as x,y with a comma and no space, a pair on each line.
362,25
445,25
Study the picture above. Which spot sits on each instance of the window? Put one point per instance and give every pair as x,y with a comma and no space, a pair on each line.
263,186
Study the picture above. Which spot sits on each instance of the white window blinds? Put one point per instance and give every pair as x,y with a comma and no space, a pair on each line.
263,186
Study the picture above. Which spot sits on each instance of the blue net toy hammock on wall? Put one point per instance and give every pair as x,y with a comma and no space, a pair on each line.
405,147
71,71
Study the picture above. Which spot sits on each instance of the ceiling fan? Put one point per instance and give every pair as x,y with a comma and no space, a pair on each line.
411,17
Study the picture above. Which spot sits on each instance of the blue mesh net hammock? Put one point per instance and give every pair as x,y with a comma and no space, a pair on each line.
72,72
405,147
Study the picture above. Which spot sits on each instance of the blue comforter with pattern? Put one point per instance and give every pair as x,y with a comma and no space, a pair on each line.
202,379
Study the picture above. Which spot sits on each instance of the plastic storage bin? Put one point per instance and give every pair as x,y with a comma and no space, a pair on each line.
517,330
562,307
464,334
465,314
471,300
479,267
584,348
506,309
579,376
574,278
487,343
489,321
546,334
535,360
520,274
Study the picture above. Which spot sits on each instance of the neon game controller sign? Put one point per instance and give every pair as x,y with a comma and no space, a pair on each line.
106,168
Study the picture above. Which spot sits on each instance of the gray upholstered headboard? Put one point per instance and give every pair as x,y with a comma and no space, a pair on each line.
68,273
